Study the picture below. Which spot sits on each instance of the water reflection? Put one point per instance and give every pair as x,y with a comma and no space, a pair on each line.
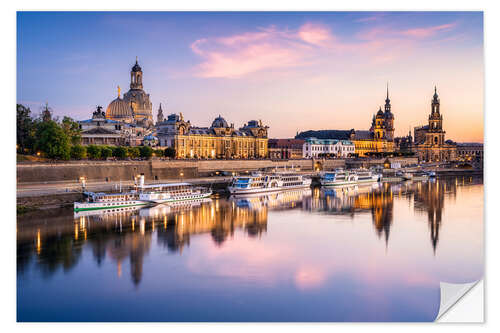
54,241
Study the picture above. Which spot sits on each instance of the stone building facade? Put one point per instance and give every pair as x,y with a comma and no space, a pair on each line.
220,140
377,140
314,148
102,131
281,149
470,151
429,140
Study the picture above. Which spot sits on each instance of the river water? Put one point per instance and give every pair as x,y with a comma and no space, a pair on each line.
370,253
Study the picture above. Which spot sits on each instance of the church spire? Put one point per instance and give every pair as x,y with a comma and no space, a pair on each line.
387,106
119,90
160,117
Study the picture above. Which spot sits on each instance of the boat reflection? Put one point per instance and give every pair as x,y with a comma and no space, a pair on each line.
55,240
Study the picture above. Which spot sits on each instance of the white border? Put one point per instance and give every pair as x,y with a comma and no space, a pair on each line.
492,122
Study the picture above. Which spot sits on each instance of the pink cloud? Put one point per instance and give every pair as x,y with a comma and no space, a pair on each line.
250,52
427,32
385,32
270,49
370,18
315,34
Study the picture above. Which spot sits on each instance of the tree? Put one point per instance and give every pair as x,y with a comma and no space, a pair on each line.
106,152
120,152
72,130
169,152
25,129
134,152
146,152
51,140
158,153
94,152
77,152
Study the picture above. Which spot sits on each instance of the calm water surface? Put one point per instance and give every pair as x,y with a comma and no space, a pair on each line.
373,253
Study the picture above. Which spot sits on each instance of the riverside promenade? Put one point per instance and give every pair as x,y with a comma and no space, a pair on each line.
64,187
60,184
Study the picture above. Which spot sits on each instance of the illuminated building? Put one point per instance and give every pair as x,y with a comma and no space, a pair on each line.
135,107
314,148
378,139
220,140
281,149
430,144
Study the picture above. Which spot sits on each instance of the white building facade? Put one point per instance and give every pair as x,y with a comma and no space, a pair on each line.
314,148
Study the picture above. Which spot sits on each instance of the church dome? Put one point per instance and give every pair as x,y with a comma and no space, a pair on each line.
119,109
219,122
380,113
136,67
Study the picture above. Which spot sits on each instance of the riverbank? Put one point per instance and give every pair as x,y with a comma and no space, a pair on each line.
50,195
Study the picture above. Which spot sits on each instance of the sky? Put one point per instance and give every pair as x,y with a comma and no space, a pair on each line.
293,70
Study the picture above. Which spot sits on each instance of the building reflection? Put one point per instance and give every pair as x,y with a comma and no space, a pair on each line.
429,199
376,199
54,240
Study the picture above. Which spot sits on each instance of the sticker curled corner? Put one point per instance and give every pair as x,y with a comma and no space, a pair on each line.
451,293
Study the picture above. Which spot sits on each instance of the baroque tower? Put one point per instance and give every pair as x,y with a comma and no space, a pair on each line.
160,118
138,99
435,135
389,118
136,76
379,129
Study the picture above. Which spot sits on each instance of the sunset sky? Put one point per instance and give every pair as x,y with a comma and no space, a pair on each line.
295,71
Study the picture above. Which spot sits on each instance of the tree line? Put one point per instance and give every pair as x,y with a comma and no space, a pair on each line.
61,140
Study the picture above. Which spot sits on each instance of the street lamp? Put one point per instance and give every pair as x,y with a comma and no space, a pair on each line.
83,182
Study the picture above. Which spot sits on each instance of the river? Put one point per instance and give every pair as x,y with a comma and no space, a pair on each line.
368,253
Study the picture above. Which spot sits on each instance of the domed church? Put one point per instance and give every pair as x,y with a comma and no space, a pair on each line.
135,107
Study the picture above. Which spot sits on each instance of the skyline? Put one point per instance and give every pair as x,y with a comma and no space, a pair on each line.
331,66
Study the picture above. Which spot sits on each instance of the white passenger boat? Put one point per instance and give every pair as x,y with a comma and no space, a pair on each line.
109,201
143,195
270,182
341,177
165,193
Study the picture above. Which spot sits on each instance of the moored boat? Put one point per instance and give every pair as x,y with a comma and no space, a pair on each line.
341,177
142,195
259,182
165,193
109,201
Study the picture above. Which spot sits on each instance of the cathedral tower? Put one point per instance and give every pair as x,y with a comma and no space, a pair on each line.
435,135
379,130
435,118
138,99
389,117
136,76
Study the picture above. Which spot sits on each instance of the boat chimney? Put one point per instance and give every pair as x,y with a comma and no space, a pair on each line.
141,180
